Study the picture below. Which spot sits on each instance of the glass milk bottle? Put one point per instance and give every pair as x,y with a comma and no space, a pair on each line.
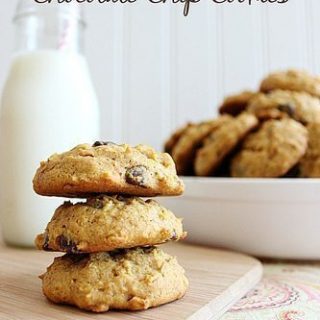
48,105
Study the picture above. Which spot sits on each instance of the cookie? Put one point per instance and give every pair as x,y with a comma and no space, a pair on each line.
237,103
271,151
108,223
174,138
221,142
184,151
310,164
134,279
108,168
283,103
294,80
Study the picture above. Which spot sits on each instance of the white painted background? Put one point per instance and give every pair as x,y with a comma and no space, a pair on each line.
155,69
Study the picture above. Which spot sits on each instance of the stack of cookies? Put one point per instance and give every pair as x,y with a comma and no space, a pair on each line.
270,133
110,239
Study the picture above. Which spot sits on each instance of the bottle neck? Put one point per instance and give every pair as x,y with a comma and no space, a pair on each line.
49,32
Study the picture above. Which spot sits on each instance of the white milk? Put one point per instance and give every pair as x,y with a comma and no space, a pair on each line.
48,105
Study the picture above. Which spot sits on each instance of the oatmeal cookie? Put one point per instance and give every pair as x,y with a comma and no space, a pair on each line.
108,168
310,164
221,142
271,151
175,137
236,103
294,80
283,103
134,279
108,223
184,151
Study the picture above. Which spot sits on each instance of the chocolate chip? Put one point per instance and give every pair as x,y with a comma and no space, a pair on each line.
96,203
76,258
148,249
66,244
287,108
115,273
137,176
103,143
122,198
117,254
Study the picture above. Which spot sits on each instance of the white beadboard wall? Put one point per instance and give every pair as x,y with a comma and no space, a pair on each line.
155,69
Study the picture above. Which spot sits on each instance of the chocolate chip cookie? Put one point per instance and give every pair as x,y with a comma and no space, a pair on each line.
310,164
300,106
237,103
294,80
108,168
108,223
271,151
221,142
134,279
175,137
184,151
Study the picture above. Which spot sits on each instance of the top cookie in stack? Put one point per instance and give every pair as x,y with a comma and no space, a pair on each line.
270,133
111,261
108,168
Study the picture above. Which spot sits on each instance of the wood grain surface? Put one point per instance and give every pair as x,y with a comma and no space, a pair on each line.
217,280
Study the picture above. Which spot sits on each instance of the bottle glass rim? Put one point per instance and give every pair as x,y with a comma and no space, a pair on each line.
26,9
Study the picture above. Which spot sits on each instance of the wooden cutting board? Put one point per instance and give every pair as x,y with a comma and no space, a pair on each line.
217,280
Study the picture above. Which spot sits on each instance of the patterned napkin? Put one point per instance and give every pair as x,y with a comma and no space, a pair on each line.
287,292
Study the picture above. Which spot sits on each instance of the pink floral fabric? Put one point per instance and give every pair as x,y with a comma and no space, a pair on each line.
287,292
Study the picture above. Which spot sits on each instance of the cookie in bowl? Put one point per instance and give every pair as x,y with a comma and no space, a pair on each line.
175,137
272,151
185,149
237,103
221,142
309,166
293,80
279,104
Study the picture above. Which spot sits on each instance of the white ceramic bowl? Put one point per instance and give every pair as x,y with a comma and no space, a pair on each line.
277,218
